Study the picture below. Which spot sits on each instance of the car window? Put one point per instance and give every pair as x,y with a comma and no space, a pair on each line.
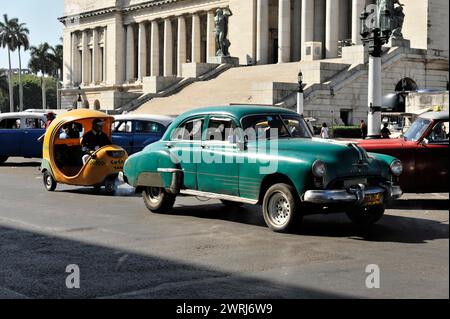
148,127
34,123
121,127
10,123
189,131
261,127
439,134
296,126
221,130
417,129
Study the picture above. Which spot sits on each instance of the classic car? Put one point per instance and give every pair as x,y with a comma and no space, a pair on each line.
424,152
267,156
19,133
134,132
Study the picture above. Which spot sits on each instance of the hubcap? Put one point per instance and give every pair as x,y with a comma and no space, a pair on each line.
49,181
154,194
279,209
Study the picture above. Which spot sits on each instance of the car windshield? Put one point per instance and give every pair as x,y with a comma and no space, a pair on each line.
417,129
260,127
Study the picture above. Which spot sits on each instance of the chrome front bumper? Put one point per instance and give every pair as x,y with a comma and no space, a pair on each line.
354,195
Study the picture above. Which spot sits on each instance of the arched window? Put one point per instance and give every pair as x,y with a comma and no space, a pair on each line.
406,85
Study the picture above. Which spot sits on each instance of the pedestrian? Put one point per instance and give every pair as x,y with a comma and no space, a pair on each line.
385,132
50,117
324,132
363,127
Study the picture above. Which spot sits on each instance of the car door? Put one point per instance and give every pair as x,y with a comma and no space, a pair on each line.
32,129
185,148
10,136
218,171
146,133
122,135
432,155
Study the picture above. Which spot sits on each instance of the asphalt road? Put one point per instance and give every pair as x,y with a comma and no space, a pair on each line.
204,250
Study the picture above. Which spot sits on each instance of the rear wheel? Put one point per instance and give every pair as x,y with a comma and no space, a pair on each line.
157,200
110,186
3,159
49,182
280,208
366,216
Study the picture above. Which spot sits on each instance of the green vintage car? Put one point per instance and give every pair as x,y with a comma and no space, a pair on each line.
266,156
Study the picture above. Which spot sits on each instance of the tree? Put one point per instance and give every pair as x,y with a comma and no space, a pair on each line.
3,84
57,58
41,62
22,41
8,40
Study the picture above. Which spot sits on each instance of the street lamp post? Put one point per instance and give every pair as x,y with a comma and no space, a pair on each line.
375,37
79,100
300,96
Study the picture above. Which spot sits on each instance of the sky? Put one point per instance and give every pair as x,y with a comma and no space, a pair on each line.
41,19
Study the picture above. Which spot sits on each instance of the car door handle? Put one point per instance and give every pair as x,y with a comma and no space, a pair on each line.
169,145
205,147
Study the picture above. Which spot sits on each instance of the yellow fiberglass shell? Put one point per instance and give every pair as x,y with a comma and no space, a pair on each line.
97,169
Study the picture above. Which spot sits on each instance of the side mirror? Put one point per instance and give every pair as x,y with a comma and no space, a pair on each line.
425,142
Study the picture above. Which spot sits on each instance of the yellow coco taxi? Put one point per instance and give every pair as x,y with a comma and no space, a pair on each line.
69,159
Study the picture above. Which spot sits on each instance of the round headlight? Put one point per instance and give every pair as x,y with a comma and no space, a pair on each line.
319,169
397,168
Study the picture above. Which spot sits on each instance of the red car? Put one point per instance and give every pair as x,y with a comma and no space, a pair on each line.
423,149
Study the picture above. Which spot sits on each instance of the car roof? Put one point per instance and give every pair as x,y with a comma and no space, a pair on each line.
145,117
443,115
237,111
22,114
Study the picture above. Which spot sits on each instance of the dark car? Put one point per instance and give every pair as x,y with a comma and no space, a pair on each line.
134,132
423,150
19,133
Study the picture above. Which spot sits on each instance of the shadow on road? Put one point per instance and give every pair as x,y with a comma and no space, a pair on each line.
391,228
33,266
421,204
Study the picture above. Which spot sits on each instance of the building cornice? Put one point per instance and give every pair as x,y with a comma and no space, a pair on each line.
94,13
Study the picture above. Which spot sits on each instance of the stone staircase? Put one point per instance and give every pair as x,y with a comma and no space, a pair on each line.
174,89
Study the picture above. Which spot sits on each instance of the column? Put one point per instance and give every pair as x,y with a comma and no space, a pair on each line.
307,23
85,59
284,31
332,28
181,49
142,56
96,65
75,60
130,53
196,39
210,36
262,32
357,8
296,31
154,48
168,48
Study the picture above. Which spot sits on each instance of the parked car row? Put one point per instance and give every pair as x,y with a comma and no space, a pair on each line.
239,155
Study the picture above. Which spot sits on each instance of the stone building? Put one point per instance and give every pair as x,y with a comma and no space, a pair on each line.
131,53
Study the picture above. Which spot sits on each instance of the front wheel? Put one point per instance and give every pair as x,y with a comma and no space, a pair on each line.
157,200
110,186
366,216
49,182
3,159
280,208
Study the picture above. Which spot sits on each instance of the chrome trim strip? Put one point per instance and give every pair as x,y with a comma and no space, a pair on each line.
168,170
344,196
231,198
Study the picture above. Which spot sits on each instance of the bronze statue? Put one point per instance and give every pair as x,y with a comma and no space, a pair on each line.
221,22
397,15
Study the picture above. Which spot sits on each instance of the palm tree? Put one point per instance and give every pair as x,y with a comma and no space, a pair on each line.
22,41
41,62
57,58
8,40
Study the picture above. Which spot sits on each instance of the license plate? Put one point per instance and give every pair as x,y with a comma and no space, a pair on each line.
353,182
372,200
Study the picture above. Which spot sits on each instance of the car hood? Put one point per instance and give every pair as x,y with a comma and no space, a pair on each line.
381,143
343,159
